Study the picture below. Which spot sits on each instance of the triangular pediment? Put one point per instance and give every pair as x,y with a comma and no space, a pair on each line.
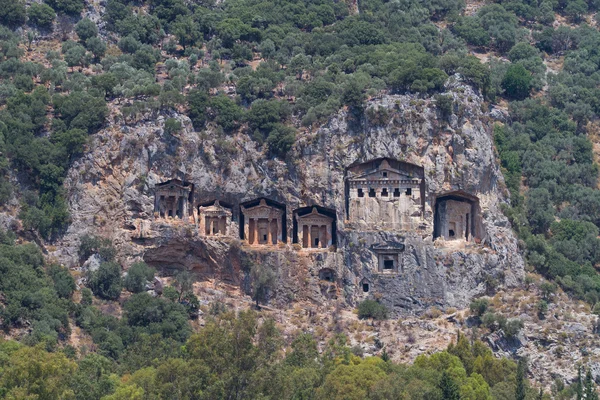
392,174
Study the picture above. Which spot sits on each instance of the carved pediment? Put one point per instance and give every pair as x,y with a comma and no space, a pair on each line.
314,218
262,210
388,247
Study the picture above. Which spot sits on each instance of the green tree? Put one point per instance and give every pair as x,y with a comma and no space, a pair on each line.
137,277
372,309
589,390
41,15
106,282
86,29
263,278
12,13
64,284
517,82
521,389
449,387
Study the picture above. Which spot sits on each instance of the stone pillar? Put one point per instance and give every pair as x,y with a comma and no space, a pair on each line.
210,226
185,215
279,231
255,241
301,234
309,241
329,235
202,223
247,229
269,232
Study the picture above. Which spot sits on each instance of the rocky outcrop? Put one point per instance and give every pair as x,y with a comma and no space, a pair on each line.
110,194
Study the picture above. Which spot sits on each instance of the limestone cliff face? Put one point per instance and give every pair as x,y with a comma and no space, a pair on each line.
110,194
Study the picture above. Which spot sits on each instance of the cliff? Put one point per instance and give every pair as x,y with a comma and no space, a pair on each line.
111,193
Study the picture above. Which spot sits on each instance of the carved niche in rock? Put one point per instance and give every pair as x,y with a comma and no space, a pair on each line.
172,199
457,217
214,219
389,257
385,194
314,227
263,222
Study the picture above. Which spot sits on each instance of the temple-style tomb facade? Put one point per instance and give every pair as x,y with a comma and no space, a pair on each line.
172,199
214,219
263,222
314,229
385,194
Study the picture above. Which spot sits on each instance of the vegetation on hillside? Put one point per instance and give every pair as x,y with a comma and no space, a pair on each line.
267,69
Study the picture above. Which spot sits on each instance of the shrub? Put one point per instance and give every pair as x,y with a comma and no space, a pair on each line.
106,282
137,276
512,327
64,284
86,29
479,306
517,82
12,13
372,309
41,15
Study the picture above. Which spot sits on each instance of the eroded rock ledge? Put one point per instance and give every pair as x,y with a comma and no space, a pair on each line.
112,193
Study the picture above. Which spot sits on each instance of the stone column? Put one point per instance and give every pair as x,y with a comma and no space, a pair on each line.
329,235
301,234
279,231
247,229
202,224
210,226
269,232
255,231
185,215
309,241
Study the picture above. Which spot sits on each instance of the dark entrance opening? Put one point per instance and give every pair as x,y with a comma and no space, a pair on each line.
409,191
397,192
371,192
365,287
361,193
384,192
451,233
327,274
388,264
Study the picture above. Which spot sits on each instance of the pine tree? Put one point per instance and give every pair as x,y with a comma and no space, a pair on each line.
589,389
579,384
449,387
521,390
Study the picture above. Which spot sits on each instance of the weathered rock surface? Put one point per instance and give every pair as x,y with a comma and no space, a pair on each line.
110,194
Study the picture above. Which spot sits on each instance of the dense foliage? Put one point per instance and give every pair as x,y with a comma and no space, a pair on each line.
269,70
241,358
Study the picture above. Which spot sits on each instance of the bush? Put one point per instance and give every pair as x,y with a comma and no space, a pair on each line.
517,82
86,29
137,277
106,282
12,13
64,284
372,309
513,327
479,306
72,7
41,15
